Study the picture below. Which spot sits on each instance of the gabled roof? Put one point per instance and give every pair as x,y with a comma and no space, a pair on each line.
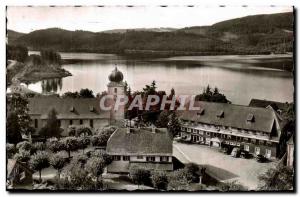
66,107
264,103
12,163
234,116
139,141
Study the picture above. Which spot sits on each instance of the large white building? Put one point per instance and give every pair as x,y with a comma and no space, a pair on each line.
79,111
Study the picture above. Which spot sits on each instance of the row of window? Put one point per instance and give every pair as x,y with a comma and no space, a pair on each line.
231,137
217,128
70,123
148,158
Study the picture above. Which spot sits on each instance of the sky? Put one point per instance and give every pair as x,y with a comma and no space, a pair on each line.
93,18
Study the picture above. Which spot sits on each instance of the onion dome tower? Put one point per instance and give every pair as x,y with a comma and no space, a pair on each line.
116,87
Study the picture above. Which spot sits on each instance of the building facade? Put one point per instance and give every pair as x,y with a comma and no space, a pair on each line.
78,111
252,129
148,148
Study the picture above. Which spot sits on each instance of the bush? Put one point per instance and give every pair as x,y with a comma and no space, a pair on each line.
159,180
55,145
24,146
10,150
179,180
140,176
22,156
38,146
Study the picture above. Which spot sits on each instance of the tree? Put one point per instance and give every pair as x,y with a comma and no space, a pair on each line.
102,137
83,142
13,129
159,180
22,156
71,95
139,176
16,52
76,177
280,178
58,161
24,145
95,166
51,57
55,145
52,127
39,161
174,125
192,170
178,180
163,119
70,144
18,105
86,93
209,96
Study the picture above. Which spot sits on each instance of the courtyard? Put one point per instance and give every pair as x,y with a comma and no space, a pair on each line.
221,166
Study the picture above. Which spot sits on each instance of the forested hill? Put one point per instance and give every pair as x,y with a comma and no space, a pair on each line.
258,34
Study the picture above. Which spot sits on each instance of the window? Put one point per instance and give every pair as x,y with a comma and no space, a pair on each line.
150,159
71,122
35,123
140,157
80,121
257,150
116,157
268,153
59,123
164,158
91,123
126,158
116,89
246,148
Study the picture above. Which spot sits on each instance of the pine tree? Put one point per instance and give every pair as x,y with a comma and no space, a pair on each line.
174,125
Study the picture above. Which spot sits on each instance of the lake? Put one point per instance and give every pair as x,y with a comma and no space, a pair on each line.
240,78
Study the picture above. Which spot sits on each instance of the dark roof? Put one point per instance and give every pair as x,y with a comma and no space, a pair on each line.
66,107
264,103
262,119
140,141
12,163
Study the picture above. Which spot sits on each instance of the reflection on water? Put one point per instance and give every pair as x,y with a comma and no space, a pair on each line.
51,85
239,80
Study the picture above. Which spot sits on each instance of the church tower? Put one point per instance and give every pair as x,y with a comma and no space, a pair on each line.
116,87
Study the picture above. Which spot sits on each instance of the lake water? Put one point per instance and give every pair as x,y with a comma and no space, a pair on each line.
240,78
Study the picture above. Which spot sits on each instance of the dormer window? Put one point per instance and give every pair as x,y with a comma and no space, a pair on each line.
250,118
201,112
92,108
220,114
72,109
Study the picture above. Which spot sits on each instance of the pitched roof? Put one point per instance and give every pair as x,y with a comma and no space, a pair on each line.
139,141
71,108
262,119
264,103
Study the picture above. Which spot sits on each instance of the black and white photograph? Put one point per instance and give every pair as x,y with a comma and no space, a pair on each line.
150,98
